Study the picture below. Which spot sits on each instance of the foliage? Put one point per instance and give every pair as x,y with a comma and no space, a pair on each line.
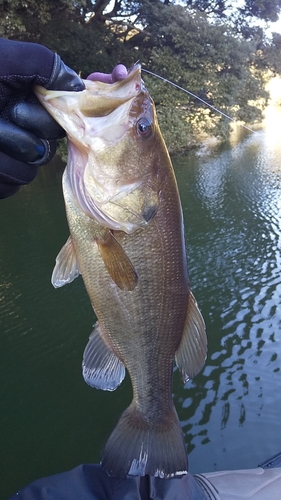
210,47
240,12
208,60
270,55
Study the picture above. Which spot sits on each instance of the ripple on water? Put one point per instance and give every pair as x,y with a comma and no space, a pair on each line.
235,268
230,412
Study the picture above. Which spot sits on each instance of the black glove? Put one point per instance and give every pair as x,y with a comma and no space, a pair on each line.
90,482
28,134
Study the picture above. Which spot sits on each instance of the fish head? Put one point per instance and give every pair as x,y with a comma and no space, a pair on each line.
115,149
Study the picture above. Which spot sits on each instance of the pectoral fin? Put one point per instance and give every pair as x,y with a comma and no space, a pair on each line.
117,262
191,354
66,267
101,367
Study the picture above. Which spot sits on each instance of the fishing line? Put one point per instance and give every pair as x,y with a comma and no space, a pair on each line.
197,97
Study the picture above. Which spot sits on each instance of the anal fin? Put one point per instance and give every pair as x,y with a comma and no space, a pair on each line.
192,351
117,262
101,367
66,268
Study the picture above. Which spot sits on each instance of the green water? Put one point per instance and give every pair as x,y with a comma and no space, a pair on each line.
50,420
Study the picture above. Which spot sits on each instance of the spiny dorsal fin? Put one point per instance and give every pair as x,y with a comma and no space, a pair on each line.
117,263
191,354
101,367
66,268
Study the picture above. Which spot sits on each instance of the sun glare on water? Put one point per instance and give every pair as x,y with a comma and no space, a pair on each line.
276,27
272,116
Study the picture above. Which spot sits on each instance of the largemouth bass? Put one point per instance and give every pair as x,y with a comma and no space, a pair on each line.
127,242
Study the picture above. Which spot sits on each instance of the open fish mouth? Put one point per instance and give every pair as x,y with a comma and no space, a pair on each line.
99,98
108,97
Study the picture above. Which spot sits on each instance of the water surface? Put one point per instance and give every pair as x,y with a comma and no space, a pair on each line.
50,419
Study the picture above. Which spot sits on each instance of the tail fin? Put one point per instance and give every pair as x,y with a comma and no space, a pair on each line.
136,448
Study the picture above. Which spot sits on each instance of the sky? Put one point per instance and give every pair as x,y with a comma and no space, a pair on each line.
273,27
276,26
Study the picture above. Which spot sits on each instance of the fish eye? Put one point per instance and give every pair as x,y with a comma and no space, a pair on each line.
144,128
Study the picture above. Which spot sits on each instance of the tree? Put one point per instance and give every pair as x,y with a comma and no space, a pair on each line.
202,49
249,10
209,60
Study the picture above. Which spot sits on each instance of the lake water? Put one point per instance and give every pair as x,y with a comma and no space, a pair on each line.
50,420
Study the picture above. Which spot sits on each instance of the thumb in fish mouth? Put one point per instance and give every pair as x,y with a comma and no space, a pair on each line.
119,73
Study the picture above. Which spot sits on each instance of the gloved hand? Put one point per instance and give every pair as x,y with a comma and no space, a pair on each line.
28,133
90,482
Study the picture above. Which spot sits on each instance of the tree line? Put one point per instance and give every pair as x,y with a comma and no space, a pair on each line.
216,50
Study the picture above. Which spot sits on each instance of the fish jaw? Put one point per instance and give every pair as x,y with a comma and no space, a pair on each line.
100,98
71,109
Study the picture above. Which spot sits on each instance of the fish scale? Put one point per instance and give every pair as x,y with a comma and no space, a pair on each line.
127,241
